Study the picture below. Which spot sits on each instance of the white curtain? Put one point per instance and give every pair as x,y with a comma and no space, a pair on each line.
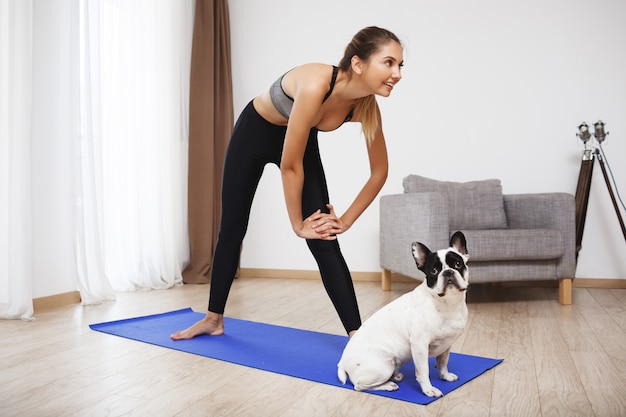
132,146
16,20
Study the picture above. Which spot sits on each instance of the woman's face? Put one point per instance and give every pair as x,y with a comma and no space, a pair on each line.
383,69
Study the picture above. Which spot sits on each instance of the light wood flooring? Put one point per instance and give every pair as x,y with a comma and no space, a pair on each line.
558,360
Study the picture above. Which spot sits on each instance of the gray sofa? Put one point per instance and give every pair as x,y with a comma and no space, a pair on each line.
510,237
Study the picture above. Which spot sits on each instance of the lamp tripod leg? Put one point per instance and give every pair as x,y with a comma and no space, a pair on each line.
582,199
615,206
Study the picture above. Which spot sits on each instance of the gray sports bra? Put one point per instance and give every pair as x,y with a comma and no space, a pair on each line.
284,103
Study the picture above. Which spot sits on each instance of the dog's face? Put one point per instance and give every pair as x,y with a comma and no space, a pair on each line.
445,269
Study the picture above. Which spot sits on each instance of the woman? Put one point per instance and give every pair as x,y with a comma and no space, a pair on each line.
280,126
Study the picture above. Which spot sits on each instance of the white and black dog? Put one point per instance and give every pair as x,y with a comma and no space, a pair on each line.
420,324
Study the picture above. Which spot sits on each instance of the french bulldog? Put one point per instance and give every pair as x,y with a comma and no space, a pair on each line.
420,324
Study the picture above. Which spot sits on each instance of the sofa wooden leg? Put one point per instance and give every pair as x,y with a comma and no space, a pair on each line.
386,279
565,291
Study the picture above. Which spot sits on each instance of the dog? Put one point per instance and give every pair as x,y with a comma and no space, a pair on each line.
420,324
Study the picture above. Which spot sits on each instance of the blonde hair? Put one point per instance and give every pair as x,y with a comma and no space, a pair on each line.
367,109
366,42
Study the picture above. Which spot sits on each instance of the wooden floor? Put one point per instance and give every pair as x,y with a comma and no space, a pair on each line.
558,360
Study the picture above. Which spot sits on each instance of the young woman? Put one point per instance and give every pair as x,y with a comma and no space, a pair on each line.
280,126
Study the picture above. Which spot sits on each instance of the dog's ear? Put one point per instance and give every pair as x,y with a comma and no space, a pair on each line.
420,253
457,241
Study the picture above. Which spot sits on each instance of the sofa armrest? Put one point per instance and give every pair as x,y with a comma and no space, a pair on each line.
407,218
546,211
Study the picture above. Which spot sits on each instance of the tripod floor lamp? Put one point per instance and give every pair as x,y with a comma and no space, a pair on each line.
590,155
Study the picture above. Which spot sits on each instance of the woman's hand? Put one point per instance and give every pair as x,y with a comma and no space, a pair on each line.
325,226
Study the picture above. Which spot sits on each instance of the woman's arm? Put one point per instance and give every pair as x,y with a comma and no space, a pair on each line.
330,225
307,102
308,96
377,152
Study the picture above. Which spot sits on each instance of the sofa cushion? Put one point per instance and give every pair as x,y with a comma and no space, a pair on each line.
514,244
472,205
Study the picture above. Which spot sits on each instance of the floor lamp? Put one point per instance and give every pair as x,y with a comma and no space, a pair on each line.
590,155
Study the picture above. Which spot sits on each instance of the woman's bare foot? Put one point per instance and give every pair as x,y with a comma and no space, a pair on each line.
212,324
352,333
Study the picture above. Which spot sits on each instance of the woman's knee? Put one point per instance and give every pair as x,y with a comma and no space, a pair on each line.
323,246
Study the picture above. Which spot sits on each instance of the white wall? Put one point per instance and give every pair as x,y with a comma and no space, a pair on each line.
491,89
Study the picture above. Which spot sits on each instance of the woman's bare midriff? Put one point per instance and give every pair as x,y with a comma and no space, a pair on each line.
264,106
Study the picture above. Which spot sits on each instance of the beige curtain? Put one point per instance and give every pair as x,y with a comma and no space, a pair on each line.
210,126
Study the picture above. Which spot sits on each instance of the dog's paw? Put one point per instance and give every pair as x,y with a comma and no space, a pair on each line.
388,386
449,376
397,377
432,392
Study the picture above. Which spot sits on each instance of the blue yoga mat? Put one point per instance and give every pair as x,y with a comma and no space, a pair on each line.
284,350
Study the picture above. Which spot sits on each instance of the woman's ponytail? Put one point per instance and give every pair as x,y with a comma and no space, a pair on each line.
367,109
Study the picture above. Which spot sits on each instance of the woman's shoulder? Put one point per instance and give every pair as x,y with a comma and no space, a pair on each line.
312,68
314,76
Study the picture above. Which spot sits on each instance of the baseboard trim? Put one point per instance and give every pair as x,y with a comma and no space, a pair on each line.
613,284
57,300
301,274
375,277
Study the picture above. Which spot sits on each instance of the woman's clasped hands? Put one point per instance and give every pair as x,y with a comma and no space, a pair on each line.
324,226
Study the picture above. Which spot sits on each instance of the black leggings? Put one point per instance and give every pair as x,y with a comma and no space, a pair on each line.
254,143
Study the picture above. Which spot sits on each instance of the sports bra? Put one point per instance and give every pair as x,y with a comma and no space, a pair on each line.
283,103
